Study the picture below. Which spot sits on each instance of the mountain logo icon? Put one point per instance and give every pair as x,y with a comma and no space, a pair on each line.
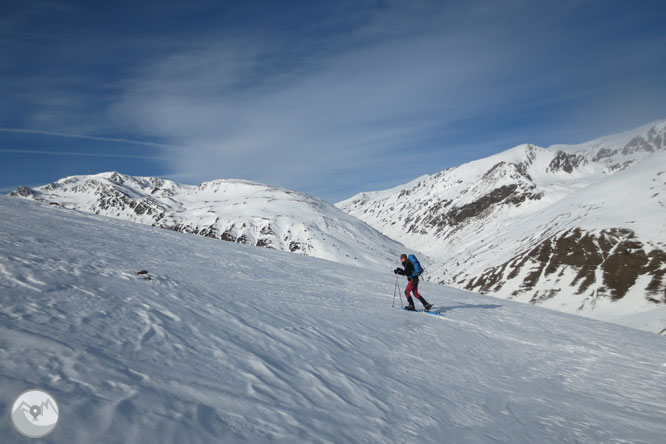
35,414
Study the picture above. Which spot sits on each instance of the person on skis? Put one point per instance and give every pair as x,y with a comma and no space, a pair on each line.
412,285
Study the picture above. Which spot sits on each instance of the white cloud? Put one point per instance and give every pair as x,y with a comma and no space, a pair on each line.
346,112
353,112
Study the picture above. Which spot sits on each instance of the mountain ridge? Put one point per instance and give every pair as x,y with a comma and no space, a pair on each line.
500,224
233,210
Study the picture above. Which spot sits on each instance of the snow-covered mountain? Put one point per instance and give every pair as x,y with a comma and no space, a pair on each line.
232,210
221,342
578,228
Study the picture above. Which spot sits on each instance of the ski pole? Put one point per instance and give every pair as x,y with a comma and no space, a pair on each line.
400,293
394,290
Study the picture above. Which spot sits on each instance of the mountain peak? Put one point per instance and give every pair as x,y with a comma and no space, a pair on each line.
617,141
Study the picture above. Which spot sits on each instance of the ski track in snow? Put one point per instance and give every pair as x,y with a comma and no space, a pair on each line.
231,343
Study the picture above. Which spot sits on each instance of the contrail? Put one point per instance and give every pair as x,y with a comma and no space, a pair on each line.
71,153
81,136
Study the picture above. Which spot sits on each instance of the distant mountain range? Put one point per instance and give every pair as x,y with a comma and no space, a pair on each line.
578,228
232,210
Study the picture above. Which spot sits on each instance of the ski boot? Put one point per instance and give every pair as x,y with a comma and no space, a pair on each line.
410,301
426,306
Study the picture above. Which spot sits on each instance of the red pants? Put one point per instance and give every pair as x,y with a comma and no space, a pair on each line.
413,286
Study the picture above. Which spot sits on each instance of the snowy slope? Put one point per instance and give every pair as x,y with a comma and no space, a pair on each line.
575,228
232,343
233,210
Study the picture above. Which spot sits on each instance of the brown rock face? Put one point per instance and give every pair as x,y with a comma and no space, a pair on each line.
615,255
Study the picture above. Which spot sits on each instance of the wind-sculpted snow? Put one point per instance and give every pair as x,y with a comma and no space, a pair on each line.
220,342
232,210
499,224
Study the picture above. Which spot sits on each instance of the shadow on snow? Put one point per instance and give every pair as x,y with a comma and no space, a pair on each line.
455,307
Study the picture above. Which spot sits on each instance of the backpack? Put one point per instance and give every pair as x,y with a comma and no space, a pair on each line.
417,266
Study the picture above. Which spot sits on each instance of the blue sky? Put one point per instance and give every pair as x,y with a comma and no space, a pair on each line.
328,97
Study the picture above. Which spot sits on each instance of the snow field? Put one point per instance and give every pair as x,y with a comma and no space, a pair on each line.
232,343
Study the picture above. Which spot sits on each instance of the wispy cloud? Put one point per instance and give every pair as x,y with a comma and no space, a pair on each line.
355,113
83,136
339,97
72,153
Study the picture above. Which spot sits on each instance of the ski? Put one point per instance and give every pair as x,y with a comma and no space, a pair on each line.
434,313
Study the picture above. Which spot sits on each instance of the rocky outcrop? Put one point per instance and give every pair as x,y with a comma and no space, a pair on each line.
607,263
566,162
505,195
23,192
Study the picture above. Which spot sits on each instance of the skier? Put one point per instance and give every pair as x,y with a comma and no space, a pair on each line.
412,285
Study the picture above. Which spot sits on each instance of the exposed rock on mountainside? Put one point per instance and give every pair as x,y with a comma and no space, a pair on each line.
566,162
232,210
610,262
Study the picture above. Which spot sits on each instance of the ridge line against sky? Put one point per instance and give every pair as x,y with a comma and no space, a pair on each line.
330,98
